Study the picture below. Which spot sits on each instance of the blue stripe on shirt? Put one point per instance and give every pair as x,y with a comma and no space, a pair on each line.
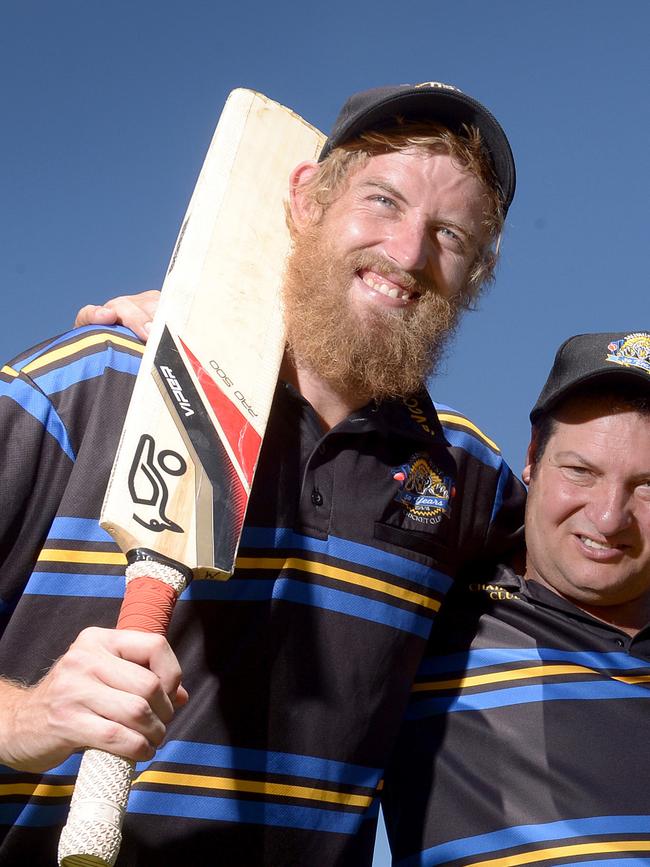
88,367
343,549
495,841
39,407
262,761
287,589
473,659
243,812
571,691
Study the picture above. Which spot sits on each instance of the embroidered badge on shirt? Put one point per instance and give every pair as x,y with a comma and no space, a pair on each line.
426,493
631,351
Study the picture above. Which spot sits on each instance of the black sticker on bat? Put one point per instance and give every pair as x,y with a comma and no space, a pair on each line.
147,484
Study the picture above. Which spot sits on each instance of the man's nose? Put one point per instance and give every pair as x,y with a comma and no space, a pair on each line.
409,245
609,509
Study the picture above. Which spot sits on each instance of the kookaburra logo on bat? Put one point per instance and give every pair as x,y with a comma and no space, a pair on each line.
147,484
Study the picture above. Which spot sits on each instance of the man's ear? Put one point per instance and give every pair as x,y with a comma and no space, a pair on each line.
527,471
304,210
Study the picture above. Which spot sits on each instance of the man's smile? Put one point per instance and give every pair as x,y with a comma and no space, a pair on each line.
391,289
600,549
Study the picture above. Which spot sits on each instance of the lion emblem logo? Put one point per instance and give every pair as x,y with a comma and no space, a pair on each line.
631,351
425,492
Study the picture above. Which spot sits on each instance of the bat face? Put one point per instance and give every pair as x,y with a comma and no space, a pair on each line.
184,469
183,472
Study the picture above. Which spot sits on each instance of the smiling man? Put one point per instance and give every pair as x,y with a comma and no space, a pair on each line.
368,503
528,723
375,284
588,512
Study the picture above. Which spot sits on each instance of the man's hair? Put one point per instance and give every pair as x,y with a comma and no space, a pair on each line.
467,152
625,397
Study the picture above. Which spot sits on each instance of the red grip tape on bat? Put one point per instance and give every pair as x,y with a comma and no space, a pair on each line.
147,606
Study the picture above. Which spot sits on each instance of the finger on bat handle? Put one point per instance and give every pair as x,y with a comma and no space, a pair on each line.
93,833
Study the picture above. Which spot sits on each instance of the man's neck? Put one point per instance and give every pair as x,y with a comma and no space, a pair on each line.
331,405
629,617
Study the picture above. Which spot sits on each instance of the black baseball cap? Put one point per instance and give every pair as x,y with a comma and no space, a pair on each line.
588,357
430,101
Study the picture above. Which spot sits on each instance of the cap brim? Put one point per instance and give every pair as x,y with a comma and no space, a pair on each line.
615,374
450,108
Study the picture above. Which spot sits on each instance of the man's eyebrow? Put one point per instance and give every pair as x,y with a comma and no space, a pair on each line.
384,185
576,457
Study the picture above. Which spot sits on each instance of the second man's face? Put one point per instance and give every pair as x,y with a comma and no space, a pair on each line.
588,512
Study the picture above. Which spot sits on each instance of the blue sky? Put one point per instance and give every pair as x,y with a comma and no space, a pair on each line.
108,108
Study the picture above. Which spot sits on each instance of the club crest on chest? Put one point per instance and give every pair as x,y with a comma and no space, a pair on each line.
425,492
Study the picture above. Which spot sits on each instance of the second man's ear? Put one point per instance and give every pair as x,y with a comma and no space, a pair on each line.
528,469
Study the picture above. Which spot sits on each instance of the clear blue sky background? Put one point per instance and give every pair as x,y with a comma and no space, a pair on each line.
107,109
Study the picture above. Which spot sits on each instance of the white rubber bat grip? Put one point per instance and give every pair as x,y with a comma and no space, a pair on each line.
93,833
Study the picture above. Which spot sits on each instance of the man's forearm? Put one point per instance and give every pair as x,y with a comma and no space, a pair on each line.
14,724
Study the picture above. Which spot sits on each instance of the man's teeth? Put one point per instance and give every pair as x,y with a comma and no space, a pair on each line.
591,543
389,291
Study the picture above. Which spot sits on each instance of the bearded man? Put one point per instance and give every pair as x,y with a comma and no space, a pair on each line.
300,666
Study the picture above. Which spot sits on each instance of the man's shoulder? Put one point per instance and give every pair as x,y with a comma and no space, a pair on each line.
421,416
76,356
461,431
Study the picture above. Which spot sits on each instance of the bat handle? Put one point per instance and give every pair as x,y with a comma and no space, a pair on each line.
93,832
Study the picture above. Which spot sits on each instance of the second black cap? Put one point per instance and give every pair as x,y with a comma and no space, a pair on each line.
587,357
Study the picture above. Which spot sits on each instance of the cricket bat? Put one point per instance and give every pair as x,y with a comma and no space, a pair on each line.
182,476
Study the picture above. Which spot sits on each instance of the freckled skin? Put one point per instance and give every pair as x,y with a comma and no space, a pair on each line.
588,512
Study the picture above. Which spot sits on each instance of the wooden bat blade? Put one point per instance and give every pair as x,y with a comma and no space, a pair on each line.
191,440
185,465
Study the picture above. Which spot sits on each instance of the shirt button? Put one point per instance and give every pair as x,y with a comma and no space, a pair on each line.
620,642
316,497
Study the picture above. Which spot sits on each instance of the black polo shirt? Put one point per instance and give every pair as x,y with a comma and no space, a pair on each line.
299,667
526,736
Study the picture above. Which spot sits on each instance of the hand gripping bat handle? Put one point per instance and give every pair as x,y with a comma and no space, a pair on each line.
93,833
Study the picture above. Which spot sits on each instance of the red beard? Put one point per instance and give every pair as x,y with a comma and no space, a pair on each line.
378,354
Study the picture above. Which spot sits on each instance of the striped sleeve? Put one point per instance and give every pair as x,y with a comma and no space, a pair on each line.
53,417
496,495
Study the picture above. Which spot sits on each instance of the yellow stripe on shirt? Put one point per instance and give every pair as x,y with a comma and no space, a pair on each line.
257,787
110,558
36,790
521,674
338,574
612,847
60,555
461,421
63,352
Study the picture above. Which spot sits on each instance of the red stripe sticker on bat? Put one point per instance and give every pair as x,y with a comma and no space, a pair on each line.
244,440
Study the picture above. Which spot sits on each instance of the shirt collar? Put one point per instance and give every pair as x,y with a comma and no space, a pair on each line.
414,417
